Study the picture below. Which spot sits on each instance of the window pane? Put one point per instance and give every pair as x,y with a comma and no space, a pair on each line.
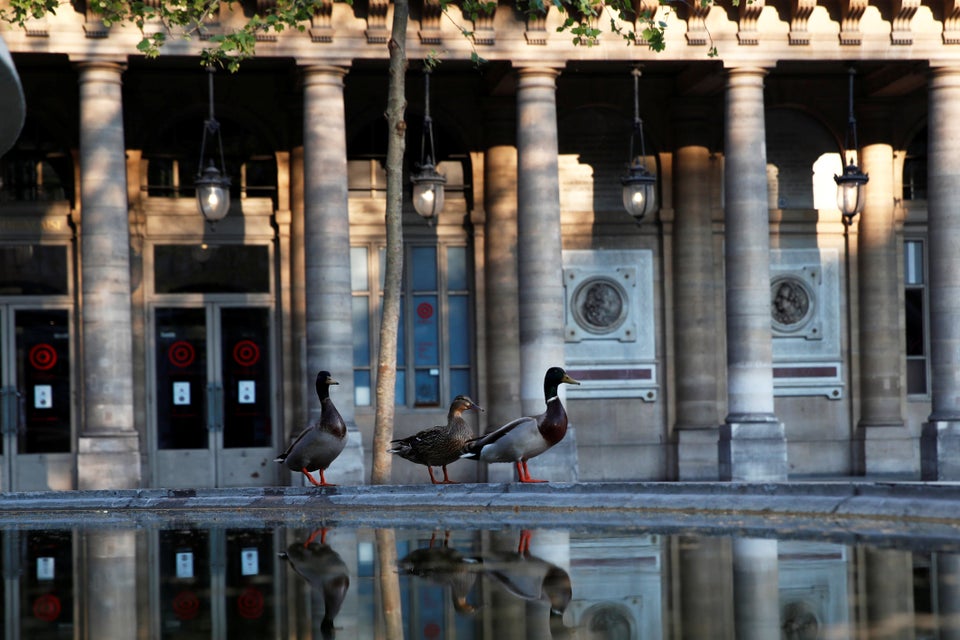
361,332
361,388
400,388
916,376
425,337
428,388
401,338
457,269
33,270
211,268
913,262
913,314
358,269
424,269
459,382
458,330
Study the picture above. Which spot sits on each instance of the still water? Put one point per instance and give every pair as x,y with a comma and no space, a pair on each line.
192,581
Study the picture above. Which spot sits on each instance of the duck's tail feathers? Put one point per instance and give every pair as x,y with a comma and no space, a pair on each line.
281,458
471,450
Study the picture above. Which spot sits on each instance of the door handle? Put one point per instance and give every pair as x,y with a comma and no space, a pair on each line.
214,407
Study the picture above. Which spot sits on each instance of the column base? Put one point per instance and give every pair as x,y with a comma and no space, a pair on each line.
940,450
886,450
559,464
753,451
697,454
110,461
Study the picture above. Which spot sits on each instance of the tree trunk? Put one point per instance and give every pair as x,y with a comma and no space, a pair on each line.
390,318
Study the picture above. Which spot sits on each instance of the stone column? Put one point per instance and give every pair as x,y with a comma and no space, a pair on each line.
503,343
110,566
888,586
108,455
941,433
884,446
539,256
752,442
326,224
756,590
696,324
705,593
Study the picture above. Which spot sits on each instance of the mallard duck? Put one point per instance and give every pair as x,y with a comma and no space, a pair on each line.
439,446
523,438
319,444
324,570
447,567
529,577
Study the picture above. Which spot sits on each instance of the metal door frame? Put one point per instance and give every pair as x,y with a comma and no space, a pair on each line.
14,475
215,452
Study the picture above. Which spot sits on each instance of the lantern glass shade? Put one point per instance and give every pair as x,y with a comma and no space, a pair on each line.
428,192
213,194
850,198
639,192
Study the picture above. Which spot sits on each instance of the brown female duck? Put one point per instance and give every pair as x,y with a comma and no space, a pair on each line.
439,446
523,438
319,444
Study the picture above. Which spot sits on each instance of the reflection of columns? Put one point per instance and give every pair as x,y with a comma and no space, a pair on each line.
326,224
888,581
756,589
880,432
108,448
753,445
110,562
941,434
539,257
948,595
705,603
695,317
500,267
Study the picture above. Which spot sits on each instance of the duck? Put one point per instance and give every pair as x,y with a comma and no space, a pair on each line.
527,437
318,445
447,567
439,446
324,570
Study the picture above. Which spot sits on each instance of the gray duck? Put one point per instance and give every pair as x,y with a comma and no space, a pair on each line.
523,438
324,570
439,446
319,444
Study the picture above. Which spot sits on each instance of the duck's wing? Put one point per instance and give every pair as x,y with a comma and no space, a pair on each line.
293,445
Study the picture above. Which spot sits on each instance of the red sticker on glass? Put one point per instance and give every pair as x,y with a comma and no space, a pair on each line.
246,353
181,354
42,356
46,607
250,603
425,310
186,605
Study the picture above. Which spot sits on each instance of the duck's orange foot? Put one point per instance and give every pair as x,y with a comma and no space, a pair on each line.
524,473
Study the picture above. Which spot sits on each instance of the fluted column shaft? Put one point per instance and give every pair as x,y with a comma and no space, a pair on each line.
108,446
940,442
753,445
326,230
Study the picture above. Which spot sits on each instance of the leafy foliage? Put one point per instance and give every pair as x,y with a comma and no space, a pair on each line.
188,18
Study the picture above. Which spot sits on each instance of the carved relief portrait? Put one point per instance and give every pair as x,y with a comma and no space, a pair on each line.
599,305
790,303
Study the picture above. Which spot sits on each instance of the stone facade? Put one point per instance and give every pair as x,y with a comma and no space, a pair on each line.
743,331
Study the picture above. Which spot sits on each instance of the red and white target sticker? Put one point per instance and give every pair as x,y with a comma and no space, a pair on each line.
43,356
181,354
425,310
250,603
246,353
186,605
47,607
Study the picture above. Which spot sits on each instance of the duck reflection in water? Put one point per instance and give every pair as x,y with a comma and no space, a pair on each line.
325,571
532,579
443,565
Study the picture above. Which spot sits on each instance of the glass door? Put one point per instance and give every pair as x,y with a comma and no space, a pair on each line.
36,406
212,412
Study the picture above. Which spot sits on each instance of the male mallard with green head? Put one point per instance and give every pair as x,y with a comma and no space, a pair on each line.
439,446
319,444
523,438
